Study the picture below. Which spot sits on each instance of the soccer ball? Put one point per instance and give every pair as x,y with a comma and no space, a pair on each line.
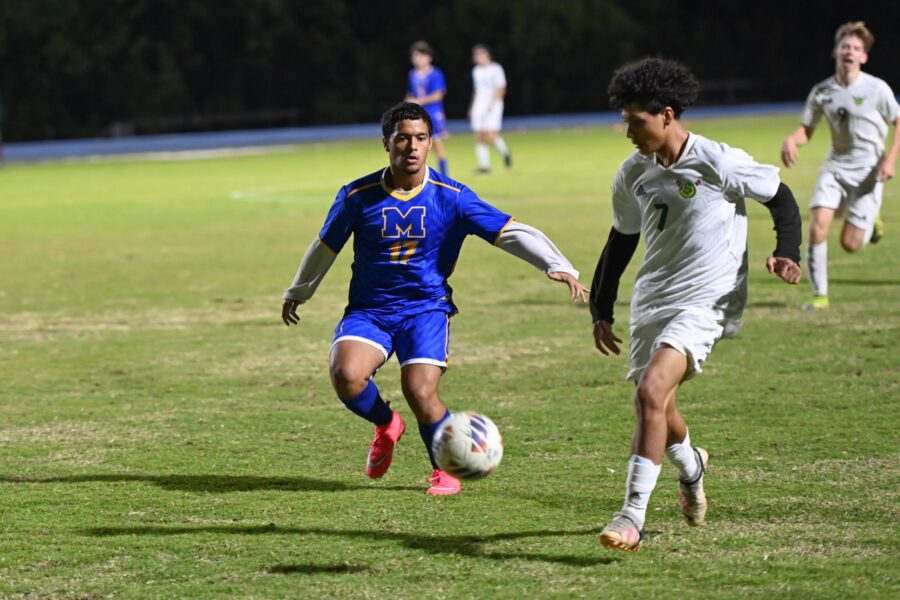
467,445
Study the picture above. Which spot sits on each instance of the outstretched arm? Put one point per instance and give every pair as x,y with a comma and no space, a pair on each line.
614,259
785,260
800,137
315,264
532,246
889,162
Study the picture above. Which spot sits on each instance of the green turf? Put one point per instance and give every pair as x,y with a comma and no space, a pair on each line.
162,435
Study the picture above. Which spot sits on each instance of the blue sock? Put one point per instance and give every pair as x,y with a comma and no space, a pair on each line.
427,431
370,406
442,166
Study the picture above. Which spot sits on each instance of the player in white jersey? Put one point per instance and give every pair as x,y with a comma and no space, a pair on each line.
685,194
486,108
859,108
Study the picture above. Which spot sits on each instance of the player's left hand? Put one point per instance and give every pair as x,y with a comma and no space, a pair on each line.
785,268
289,312
576,290
886,171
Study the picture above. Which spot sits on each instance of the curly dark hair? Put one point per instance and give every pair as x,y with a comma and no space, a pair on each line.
653,84
404,111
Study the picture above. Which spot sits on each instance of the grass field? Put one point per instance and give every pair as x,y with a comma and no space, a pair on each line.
163,435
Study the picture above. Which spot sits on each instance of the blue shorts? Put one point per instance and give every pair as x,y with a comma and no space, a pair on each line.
438,121
422,338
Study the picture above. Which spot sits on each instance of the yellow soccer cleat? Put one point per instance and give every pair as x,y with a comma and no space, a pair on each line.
877,231
817,303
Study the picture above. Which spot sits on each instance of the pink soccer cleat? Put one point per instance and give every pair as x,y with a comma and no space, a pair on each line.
382,451
622,534
443,484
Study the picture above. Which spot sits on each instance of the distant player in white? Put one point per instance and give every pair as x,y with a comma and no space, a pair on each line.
486,109
859,108
685,194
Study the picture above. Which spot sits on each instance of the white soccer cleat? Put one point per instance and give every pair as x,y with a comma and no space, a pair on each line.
622,534
692,497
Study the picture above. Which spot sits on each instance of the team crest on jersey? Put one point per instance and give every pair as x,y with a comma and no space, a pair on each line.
687,189
397,224
858,100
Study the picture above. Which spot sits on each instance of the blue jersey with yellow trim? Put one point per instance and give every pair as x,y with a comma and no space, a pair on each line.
405,244
429,83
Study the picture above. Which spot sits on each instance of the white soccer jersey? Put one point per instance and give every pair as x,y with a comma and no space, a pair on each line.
487,79
858,115
694,223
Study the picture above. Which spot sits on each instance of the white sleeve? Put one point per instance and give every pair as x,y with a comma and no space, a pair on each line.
744,176
315,264
499,77
812,110
532,246
626,210
887,104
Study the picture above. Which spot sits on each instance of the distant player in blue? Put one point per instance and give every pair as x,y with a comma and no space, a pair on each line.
428,87
408,224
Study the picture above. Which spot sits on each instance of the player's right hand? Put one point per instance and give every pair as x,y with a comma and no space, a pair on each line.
605,339
289,312
789,152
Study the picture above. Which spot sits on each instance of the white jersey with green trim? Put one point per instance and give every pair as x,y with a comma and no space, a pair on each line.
858,115
694,222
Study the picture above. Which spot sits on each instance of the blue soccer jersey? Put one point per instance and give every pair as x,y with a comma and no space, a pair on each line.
405,244
429,83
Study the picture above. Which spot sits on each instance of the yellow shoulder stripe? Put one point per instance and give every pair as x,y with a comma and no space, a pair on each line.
443,185
363,187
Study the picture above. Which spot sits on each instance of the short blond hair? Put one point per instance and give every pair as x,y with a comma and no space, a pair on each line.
857,28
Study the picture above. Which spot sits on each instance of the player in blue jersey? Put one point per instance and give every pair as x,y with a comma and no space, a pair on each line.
428,87
408,225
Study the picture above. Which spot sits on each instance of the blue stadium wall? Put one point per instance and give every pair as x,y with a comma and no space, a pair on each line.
181,142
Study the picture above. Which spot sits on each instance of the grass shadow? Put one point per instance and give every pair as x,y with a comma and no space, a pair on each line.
867,282
215,483
768,304
465,545
307,569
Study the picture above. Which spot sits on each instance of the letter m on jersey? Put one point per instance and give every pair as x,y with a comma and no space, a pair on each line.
409,224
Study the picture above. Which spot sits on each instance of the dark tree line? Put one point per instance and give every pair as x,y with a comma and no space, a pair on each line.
72,68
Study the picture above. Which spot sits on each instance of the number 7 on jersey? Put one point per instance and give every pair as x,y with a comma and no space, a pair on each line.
664,212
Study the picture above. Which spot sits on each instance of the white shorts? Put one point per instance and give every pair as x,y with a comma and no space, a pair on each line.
692,331
484,119
860,202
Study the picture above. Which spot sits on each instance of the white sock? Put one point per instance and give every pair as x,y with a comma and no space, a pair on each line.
500,145
483,154
642,476
817,265
683,456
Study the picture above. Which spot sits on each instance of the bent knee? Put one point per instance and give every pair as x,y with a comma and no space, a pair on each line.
420,392
650,397
851,245
349,381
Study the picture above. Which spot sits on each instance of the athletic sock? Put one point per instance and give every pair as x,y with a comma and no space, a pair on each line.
483,154
427,431
684,458
817,265
500,145
370,406
642,476
442,166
